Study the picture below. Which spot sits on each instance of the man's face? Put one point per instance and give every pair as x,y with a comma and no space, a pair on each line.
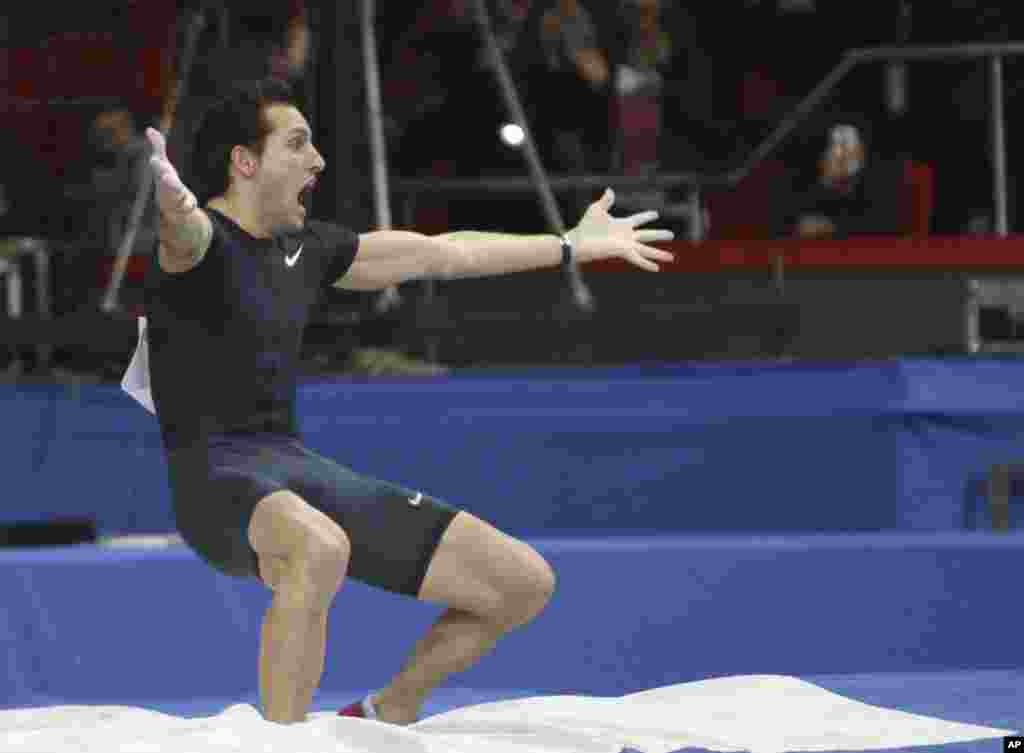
844,156
287,170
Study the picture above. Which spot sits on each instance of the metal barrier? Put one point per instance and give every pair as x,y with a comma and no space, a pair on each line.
12,251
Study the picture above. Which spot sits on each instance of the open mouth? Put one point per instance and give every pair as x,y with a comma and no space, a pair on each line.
306,194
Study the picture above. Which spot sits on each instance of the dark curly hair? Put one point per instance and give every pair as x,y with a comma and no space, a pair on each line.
237,119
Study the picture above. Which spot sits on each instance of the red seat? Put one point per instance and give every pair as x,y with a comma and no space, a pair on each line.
919,197
744,211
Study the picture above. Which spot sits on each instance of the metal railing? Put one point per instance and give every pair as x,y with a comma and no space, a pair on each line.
409,189
478,187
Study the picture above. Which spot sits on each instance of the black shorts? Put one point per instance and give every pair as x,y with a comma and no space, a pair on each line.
393,531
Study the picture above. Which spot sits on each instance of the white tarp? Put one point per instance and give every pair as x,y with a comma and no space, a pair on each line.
758,713
136,377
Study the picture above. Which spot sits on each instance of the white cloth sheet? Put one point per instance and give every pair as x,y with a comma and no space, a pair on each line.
136,377
757,713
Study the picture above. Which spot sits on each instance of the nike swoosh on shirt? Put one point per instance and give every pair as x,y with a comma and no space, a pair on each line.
290,260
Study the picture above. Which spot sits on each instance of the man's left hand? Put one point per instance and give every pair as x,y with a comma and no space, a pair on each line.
601,236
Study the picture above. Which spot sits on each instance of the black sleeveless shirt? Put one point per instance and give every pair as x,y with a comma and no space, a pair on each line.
225,337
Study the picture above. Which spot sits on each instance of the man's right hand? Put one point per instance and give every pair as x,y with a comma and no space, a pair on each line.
185,234
172,196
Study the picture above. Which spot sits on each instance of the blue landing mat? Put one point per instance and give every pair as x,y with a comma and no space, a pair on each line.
902,444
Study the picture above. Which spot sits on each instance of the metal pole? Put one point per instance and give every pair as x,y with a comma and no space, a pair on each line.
42,257
389,297
373,116
998,123
581,295
697,229
433,340
124,251
142,198
948,52
972,325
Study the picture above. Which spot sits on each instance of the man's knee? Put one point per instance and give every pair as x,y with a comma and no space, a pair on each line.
526,595
303,554
311,576
480,570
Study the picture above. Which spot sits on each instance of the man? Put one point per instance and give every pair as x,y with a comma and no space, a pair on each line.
848,194
116,158
229,295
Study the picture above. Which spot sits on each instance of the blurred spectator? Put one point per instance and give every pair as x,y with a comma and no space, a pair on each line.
435,75
106,182
644,64
639,80
509,21
565,80
648,49
848,192
566,85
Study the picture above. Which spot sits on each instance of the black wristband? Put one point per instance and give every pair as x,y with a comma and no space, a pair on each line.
566,251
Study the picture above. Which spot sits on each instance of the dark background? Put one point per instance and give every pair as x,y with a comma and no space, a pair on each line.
55,59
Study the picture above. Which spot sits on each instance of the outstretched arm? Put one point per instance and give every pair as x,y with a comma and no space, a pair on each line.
184,229
391,257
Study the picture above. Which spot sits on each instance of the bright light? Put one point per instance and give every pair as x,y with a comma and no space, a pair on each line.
512,135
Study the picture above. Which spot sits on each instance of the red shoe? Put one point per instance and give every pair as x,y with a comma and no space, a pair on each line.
361,709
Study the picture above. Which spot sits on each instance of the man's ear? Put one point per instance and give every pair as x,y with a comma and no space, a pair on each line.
244,161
